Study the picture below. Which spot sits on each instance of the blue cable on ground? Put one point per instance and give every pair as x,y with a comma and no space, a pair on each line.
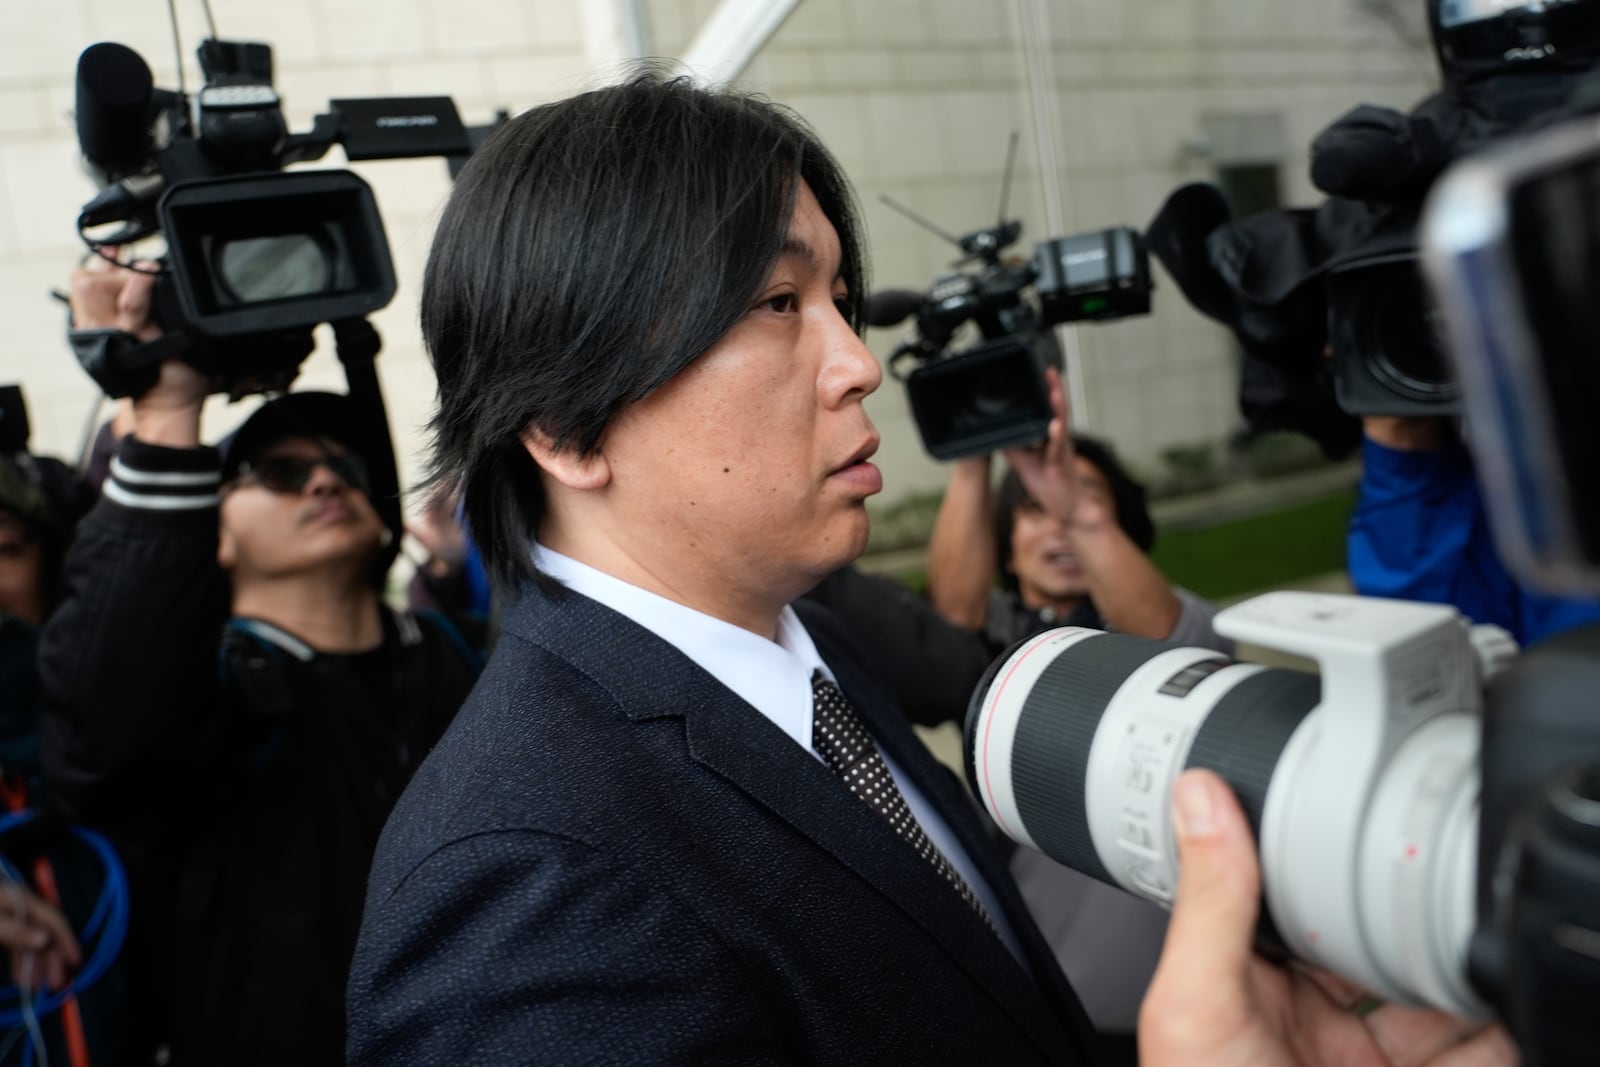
102,935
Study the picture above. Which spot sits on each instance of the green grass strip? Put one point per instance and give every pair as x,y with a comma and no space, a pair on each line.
1260,551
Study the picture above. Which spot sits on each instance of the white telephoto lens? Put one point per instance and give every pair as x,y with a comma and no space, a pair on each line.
1074,740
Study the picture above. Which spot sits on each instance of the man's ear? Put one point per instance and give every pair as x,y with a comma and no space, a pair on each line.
565,465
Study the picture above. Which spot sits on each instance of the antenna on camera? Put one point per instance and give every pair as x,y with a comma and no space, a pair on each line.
931,227
1005,183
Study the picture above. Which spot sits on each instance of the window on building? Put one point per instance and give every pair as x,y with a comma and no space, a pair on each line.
1250,188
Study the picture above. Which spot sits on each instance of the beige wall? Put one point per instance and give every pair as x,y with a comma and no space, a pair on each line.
917,97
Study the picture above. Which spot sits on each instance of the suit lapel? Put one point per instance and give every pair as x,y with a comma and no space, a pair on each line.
974,945
729,738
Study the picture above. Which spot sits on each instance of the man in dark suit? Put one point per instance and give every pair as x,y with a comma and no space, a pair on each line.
678,821
634,847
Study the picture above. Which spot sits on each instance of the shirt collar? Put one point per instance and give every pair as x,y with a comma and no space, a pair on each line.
774,677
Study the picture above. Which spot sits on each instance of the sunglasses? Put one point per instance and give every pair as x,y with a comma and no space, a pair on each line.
289,474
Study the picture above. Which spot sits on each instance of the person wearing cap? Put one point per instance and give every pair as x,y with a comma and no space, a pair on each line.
235,706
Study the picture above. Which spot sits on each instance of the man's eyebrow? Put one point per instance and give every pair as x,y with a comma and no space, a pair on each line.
794,246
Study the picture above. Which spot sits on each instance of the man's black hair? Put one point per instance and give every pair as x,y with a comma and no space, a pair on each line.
592,249
1128,504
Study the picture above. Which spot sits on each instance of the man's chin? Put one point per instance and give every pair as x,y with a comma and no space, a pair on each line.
849,548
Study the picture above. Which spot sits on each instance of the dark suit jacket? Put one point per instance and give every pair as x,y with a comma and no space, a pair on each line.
610,858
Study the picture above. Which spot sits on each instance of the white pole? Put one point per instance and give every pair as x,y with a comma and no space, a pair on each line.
614,32
1034,30
732,36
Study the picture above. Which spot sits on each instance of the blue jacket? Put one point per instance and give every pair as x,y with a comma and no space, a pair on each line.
1420,532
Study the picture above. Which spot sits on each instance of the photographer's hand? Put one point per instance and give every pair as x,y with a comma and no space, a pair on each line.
1214,1003
1130,593
104,296
1050,472
38,938
1404,434
439,531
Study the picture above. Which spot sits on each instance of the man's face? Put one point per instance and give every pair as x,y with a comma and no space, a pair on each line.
272,530
745,477
21,571
1042,554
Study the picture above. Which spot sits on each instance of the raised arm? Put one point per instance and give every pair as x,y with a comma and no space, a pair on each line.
1131,594
129,658
961,552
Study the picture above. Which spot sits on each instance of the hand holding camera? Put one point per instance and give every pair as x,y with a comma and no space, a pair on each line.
256,255
105,296
1214,1001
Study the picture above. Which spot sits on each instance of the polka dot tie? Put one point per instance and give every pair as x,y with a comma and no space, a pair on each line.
841,740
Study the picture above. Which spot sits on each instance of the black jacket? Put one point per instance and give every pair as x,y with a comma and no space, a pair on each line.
244,777
611,858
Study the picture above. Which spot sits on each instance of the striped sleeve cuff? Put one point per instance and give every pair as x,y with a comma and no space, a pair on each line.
153,478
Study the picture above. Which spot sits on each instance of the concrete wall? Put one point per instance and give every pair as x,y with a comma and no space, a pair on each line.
917,97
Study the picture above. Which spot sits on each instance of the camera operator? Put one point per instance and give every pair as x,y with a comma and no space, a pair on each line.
233,704
1420,532
1067,536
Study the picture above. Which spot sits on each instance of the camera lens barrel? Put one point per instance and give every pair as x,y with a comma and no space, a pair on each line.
1075,737
1054,739
1248,727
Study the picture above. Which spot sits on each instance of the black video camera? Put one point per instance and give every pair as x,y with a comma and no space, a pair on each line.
992,394
1295,285
255,256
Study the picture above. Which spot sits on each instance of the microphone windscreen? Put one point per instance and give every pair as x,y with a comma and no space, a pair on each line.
890,307
114,89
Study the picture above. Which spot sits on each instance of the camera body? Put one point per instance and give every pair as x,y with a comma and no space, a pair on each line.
1514,258
1293,284
1387,342
1511,243
992,394
1427,807
1074,741
256,256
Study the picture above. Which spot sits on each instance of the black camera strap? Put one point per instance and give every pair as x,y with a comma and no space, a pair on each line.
119,362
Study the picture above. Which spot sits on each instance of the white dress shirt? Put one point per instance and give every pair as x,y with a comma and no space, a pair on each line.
772,677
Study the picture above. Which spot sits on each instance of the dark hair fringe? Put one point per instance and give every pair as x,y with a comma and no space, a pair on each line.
1132,511
591,249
